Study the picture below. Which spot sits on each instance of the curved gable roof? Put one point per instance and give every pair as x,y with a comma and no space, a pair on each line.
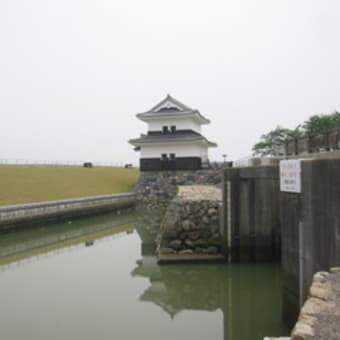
169,102
170,107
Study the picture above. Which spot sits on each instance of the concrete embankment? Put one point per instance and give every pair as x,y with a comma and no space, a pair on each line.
260,221
251,218
251,224
310,225
16,216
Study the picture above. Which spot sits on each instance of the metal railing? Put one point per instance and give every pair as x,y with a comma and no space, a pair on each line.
327,141
56,163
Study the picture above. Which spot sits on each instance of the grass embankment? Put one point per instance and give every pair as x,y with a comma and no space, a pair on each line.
20,185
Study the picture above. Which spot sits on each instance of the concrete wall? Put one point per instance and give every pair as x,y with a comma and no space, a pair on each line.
251,213
18,215
257,217
310,224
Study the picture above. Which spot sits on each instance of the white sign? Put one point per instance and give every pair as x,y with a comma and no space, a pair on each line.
290,175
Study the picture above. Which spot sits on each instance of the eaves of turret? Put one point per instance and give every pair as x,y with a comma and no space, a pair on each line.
151,115
170,138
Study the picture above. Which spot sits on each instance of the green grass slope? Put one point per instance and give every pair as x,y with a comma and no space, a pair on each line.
38,184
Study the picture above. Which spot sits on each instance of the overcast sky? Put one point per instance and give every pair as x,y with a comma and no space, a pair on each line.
73,73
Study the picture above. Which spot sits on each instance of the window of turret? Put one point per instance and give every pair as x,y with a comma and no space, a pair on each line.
165,129
173,128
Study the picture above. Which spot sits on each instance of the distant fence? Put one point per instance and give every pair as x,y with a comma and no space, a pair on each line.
327,141
55,163
255,161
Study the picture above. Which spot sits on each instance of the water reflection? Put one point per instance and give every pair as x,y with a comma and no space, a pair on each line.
148,226
247,295
80,275
33,244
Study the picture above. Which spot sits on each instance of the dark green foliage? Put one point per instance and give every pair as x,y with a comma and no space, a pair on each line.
321,123
268,142
316,124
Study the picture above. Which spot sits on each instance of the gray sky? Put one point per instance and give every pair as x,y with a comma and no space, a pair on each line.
73,73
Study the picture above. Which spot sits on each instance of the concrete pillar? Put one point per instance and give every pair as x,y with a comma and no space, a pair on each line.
251,214
231,191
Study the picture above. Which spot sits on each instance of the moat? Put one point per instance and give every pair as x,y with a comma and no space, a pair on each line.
88,279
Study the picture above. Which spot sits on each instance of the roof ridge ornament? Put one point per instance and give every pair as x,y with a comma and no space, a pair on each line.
170,102
172,108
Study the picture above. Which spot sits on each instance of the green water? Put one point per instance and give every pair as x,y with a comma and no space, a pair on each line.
89,280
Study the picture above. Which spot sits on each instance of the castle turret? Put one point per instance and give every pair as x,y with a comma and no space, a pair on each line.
174,140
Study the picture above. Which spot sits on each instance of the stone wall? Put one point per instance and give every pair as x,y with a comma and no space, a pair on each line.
155,189
191,224
320,315
16,216
154,192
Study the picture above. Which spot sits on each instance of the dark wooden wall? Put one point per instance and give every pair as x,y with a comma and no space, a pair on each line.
180,163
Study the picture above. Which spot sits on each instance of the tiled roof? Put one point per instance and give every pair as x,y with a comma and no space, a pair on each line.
172,108
178,136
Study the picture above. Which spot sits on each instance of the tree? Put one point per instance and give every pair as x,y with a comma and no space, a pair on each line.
321,123
316,124
270,141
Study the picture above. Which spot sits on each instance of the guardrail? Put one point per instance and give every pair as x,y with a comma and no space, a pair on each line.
56,163
327,141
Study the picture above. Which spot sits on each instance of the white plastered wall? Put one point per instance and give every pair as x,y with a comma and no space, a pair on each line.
180,123
181,150
204,153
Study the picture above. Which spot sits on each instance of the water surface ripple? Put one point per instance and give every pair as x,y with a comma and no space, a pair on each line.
87,281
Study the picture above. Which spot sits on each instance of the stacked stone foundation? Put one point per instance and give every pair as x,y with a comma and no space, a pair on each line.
191,225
